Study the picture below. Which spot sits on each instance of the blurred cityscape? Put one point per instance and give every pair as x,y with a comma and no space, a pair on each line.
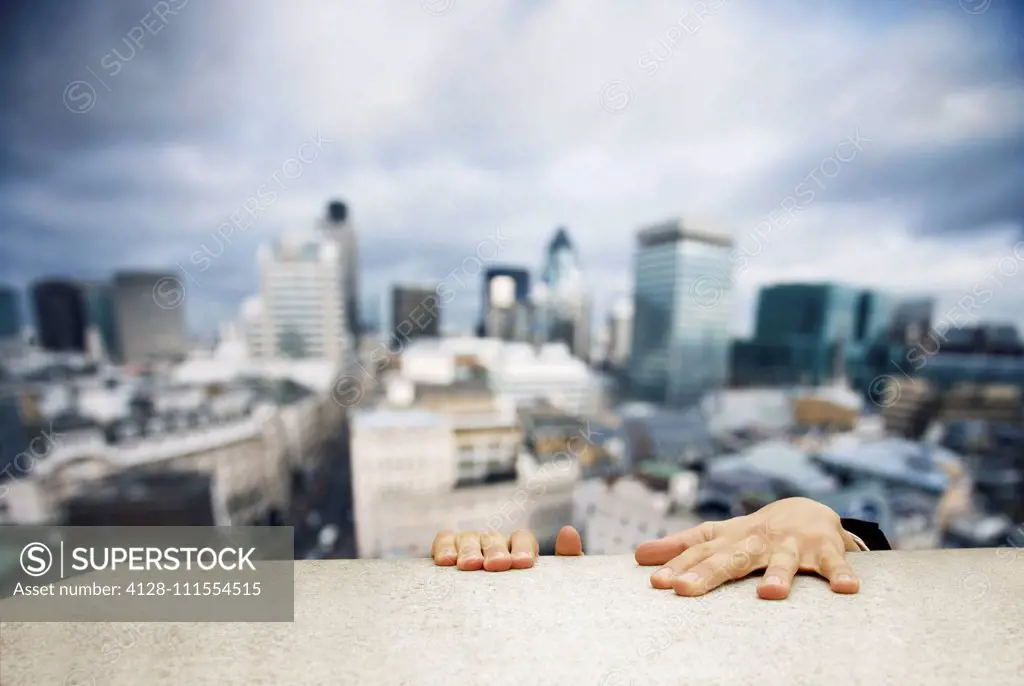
306,411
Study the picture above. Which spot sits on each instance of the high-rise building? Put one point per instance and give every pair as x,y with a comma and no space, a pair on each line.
521,279
10,313
419,308
911,320
812,333
620,333
370,314
99,302
682,299
566,307
150,317
337,225
508,318
61,315
302,299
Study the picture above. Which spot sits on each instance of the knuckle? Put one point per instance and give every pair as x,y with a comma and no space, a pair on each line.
818,541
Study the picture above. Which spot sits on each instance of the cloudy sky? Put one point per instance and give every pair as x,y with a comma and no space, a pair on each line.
132,130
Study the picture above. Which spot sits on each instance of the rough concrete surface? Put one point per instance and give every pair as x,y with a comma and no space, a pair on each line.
932,617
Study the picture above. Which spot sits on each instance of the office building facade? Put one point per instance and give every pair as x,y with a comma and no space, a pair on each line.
61,315
682,306
520,277
508,319
418,308
10,317
99,302
338,226
150,317
303,300
812,333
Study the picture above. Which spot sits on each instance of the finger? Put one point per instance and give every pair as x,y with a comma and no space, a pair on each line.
833,566
783,564
470,554
725,565
496,555
568,542
660,551
524,548
680,564
443,549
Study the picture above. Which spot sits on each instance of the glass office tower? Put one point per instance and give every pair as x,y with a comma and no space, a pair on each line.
10,313
682,310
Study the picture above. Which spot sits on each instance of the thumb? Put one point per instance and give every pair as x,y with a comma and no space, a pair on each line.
568,542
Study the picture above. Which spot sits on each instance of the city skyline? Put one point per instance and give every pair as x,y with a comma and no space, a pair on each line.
620,129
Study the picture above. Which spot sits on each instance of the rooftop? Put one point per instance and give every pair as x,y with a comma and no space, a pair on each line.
690,228
928,617
779,460
894,459
396,419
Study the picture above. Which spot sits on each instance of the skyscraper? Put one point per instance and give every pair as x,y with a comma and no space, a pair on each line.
813,333
150,317
521,278
620,333
419,308
682,308
302,299
10,313
61,316
336,225
508,318
566,307
99,302
911,320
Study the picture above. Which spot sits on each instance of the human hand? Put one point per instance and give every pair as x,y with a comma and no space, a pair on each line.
784,537
491,551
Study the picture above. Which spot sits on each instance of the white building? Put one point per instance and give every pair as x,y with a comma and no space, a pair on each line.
550,373
406,470
428,362
519,371
616,518
303,299
396,451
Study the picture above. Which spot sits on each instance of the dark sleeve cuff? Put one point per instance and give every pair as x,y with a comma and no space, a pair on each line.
868,532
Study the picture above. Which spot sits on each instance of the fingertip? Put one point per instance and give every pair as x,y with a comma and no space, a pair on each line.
689,584
845,583
662,578
653,553
498,562
522,560
470,563
446,558
772,589
568,542
641,555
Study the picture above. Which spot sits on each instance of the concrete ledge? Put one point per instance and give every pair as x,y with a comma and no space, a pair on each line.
931,617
